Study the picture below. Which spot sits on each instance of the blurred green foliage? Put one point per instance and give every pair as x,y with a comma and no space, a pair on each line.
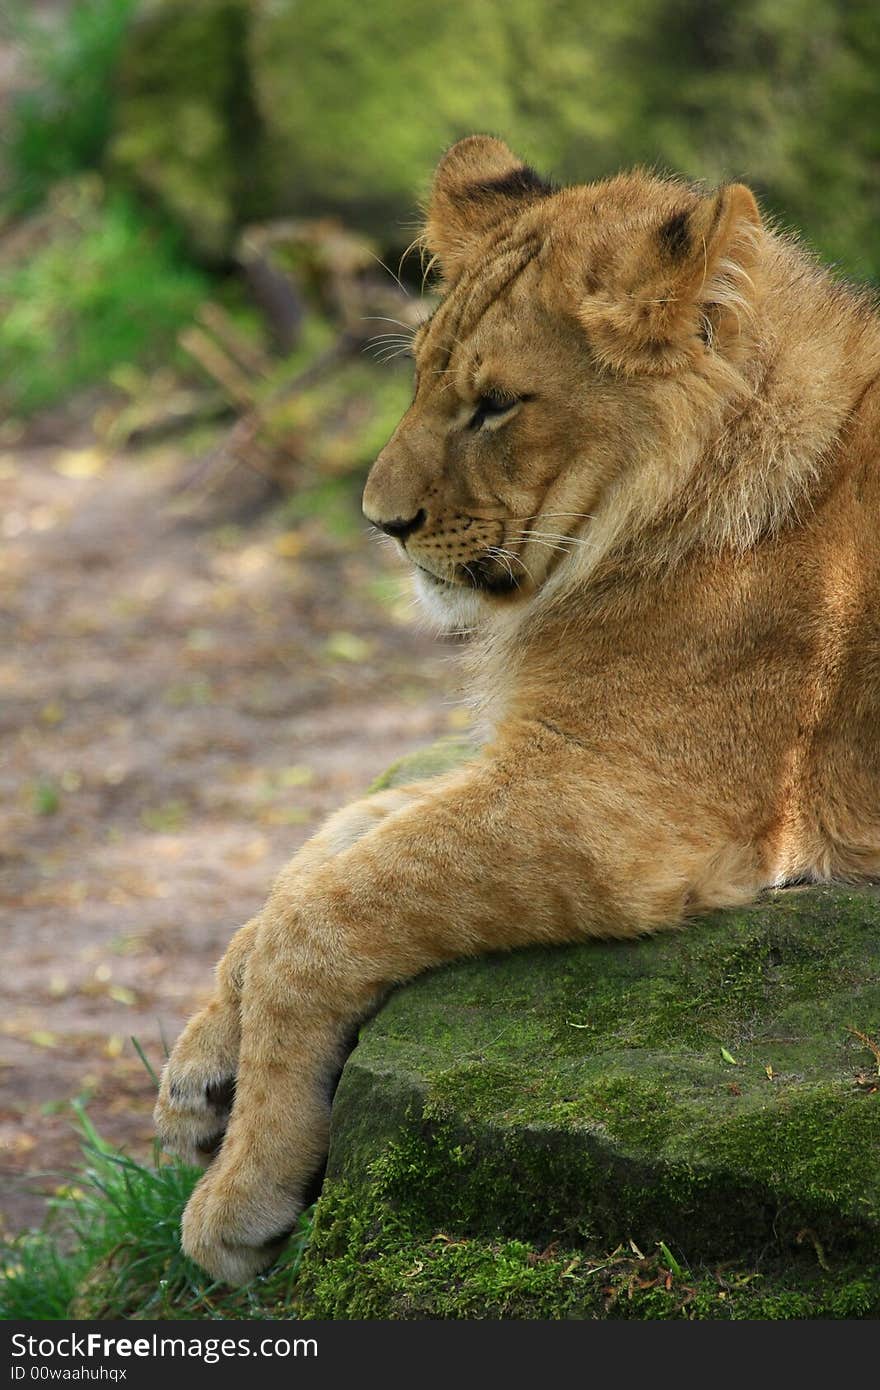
97,285
223,112
342,421
91,280
60,123
186,128
332,105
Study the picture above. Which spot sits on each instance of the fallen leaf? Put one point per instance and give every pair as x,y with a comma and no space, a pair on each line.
297,776
346,646
252,852
80,463
866,1082
289,544
292,815
122,995
200,639
167,819
21,1143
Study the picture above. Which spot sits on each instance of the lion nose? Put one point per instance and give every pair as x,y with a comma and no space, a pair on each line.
401,530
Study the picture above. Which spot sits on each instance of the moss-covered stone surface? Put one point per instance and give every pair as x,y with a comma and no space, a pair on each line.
687,1125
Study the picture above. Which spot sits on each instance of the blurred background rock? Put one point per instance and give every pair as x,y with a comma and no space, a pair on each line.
196,120
231,110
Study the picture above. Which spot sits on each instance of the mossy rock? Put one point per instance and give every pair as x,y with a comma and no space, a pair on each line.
187,132
234,109
684,1125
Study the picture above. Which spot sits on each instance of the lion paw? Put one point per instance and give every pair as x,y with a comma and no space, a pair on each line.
192,1113
219,1236
197,1090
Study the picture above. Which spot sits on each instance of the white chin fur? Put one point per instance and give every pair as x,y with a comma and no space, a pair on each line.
448,608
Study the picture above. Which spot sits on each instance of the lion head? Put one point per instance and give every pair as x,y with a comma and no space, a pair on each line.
590,343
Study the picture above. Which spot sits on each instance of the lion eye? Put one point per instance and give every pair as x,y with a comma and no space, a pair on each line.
490,406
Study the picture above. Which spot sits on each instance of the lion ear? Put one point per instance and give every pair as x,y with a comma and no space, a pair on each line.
478,183
679,289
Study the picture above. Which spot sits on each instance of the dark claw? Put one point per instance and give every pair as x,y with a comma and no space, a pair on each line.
221,1094
209,1147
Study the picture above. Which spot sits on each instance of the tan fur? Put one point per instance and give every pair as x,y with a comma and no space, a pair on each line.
682,687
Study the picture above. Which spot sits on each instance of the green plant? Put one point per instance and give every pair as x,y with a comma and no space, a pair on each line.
97,285
111,1248
60,123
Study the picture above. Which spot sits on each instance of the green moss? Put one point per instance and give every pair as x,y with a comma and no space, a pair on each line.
625,1160
580,88
366,1261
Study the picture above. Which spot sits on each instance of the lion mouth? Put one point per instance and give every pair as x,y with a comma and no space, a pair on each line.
487,576
484,575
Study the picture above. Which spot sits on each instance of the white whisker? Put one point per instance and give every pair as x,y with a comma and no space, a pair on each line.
508,556
389,337
390,272
555,536
384,318
496,553
558,549
580,516
390,356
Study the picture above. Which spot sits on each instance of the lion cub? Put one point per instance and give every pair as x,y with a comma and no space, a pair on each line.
642,465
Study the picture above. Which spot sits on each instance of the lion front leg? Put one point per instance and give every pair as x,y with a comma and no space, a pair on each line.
199,1079
472,866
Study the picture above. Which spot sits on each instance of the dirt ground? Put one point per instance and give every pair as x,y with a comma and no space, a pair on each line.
181,701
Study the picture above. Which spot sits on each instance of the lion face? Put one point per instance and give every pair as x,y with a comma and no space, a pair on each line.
464,483
581,333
